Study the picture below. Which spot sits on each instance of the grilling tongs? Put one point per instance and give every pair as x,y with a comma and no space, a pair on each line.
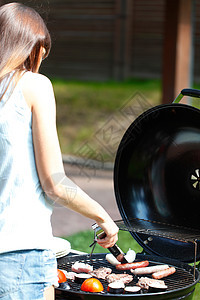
115,250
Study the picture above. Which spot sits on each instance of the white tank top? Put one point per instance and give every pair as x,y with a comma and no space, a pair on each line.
24,211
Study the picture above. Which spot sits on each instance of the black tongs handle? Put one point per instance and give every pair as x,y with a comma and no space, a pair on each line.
115,250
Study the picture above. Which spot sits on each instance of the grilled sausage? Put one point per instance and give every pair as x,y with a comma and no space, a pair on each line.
149,270
164,273
134,265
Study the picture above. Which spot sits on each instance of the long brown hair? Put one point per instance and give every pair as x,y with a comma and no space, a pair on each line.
23,35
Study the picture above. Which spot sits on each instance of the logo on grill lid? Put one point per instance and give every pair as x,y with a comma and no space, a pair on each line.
195,177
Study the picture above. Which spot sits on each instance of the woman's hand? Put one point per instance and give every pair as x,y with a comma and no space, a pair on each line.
111,231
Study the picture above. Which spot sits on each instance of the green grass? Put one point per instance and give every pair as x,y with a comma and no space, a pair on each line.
84,107
81,241
197,292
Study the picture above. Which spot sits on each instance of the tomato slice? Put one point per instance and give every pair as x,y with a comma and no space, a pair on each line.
92,285
61,276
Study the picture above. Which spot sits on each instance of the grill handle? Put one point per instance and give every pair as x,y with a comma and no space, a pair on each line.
187,92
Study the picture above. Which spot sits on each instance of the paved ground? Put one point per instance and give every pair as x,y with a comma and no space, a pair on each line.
99,185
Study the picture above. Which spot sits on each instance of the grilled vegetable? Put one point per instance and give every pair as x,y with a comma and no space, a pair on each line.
132,289
79,278
155,287
92,285
116,287
61,276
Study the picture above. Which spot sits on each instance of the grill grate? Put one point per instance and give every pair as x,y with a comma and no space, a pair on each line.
182,278
174,232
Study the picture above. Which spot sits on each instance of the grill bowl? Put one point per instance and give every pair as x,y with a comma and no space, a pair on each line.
181,284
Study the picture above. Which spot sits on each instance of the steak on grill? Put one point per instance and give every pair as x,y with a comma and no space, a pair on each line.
125,278
101,273
144,282
80,267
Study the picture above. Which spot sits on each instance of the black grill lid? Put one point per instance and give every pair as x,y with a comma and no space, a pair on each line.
157,180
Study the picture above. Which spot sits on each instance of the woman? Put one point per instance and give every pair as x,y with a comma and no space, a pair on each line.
31,162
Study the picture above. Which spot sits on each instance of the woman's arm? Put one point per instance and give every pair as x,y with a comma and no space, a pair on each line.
39,95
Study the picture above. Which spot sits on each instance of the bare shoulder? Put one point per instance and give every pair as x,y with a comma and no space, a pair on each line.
36,87
33,81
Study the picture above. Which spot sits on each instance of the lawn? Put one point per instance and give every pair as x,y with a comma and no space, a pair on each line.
87,109
83,108
81,241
